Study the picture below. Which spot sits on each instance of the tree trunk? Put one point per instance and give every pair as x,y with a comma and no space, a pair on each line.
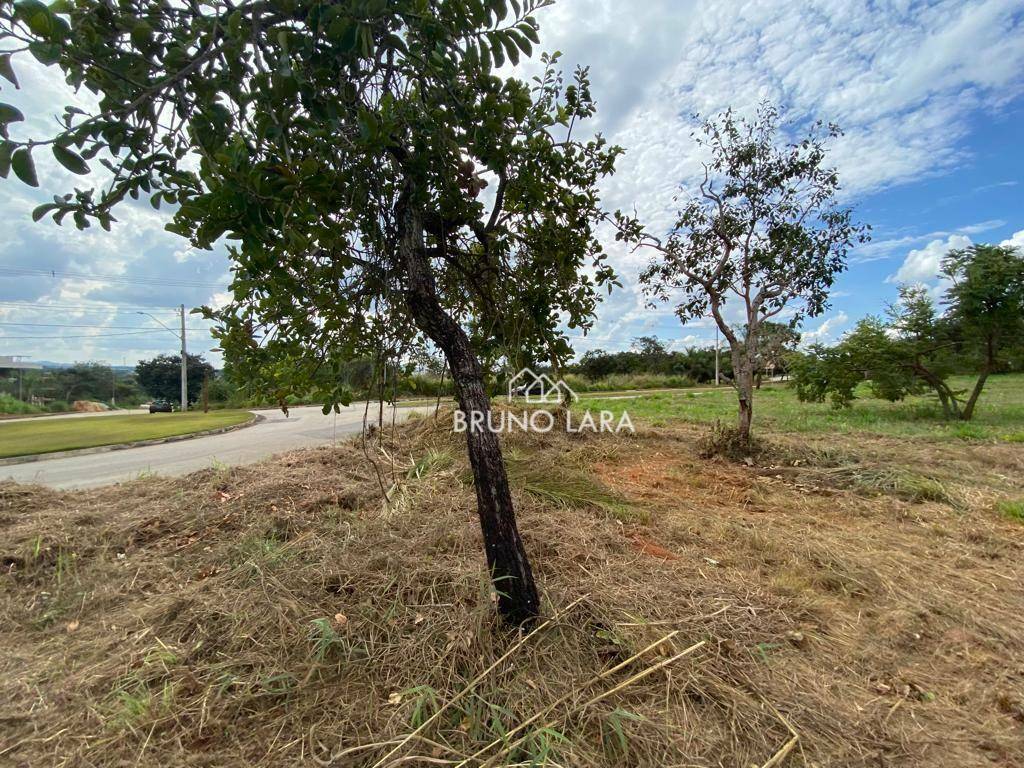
745,393
968,411
510,569
950,405
986,369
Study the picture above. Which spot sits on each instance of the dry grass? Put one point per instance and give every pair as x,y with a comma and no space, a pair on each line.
282,614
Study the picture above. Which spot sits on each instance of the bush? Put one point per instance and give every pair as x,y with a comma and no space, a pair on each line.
11,404
57,406
619,381
726,442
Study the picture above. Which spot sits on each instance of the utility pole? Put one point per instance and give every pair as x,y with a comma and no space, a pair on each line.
184,364
184,354
113,387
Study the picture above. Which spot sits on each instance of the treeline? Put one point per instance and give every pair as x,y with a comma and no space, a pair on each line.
54,390
648,357
977,328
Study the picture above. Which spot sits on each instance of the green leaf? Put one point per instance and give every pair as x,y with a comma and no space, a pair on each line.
36,15
5,158
24,168
530,31
7,71
70,160
45,53
142,35
9,114
497,52
42,210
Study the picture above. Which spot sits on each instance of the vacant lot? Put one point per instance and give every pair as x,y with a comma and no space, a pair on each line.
854,598
31,436
1000,414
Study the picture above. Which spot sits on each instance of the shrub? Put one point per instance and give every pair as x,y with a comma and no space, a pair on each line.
10,404
727,442
617,381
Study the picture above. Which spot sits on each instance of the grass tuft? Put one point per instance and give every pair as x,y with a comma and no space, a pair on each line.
570,488
1012,509
891,481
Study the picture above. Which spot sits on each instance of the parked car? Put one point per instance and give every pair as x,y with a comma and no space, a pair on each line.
161,406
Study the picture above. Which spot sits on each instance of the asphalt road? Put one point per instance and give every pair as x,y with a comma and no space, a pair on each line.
304,427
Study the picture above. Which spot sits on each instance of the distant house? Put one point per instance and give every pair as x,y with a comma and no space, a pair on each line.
11,364
17,363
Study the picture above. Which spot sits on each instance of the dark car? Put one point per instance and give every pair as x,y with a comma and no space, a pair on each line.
161,406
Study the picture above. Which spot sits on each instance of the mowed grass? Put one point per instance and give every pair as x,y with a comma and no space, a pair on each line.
999,415
33,436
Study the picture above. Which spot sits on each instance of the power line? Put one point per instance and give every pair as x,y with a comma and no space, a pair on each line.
103,327
92,336
140,280
99,307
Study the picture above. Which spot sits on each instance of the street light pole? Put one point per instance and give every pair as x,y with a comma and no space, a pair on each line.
184,364
184,354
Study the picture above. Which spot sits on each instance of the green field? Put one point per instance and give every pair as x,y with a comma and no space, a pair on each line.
999,416
31,436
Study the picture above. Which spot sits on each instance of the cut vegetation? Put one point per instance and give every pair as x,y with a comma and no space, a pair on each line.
851,601
34,436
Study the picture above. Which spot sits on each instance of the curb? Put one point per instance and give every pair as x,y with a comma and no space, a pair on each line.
256,419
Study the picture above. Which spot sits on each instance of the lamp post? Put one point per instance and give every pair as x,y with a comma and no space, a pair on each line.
184,354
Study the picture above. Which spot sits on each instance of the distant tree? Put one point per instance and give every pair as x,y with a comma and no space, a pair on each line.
161,376
986,308
775,343
87,381
765,230
650,347
343,148
918,348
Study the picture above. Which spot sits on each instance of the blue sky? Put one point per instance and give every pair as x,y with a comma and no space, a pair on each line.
930,95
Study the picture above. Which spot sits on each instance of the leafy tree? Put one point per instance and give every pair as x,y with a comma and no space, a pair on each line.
868,353
344,149
161,376
775,343
696,364
986,308
765,231
919,348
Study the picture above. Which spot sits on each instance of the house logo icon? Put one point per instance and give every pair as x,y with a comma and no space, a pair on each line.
539,388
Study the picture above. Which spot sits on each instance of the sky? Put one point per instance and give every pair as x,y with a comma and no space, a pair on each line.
930,96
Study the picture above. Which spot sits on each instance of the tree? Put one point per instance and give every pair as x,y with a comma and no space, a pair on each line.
986,308
161,376
764,230
87,381
919,348
775,342
343,149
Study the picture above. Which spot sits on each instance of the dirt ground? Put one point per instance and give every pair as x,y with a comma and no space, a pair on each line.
854,603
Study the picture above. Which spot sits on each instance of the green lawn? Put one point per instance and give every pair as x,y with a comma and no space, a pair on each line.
999,416
31,436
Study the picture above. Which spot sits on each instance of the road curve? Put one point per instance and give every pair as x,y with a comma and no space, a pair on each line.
304,427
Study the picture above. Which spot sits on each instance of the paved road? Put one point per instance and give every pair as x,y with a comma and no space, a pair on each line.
303,428
81,415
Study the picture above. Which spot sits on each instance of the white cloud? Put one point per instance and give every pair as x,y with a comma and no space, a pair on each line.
1015,241
826,332
904,80
922,264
